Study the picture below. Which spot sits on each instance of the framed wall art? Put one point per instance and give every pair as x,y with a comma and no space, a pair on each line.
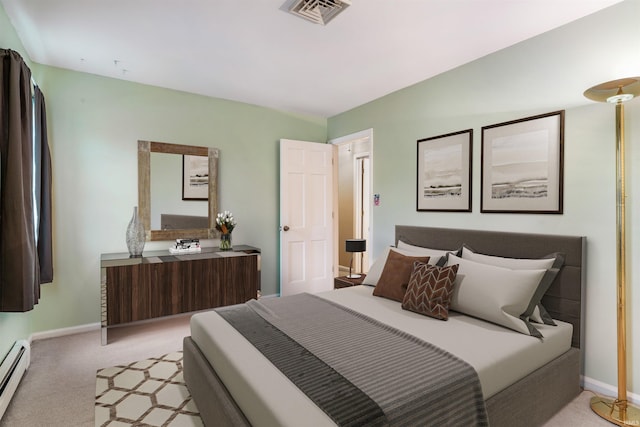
195,177
522,165
444,172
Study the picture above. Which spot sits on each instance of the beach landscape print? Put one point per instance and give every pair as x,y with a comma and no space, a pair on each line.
195,177
444,172
522,165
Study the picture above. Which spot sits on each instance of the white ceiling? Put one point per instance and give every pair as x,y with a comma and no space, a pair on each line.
252,51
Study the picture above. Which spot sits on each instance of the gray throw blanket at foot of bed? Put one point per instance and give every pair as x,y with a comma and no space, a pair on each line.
357,370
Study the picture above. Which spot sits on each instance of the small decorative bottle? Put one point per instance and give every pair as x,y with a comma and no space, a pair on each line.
135,235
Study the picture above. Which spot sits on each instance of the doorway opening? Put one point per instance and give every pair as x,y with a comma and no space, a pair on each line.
354,187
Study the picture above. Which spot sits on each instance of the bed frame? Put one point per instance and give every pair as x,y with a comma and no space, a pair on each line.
529,402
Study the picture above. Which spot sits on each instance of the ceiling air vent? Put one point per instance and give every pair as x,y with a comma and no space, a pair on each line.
318,11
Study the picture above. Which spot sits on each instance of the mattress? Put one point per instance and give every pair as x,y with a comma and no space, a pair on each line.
267,398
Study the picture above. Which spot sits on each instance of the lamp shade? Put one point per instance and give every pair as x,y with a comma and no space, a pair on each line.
356,245
615,90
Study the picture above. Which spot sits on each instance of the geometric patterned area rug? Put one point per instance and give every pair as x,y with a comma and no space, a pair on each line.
150,392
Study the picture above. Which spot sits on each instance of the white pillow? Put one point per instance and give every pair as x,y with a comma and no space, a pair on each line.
496,294
512,263
551,262
433,253
375,271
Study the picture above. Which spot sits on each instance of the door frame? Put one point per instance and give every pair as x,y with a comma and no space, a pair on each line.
364,195
367,133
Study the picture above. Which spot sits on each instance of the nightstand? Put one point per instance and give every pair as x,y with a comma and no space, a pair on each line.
345,282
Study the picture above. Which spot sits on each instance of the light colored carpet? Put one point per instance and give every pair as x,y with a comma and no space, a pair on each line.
60,386
578,413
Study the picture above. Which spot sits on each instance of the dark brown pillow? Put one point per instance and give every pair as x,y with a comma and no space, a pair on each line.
395,275
429,290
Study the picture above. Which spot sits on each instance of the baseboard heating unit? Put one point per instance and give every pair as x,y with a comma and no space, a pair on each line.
12,369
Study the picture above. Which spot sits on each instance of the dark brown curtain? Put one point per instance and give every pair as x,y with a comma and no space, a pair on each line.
19,268
43,187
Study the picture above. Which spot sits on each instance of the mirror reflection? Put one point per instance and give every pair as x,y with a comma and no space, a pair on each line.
170,209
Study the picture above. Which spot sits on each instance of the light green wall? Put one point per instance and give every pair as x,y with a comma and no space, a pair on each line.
94,125
511,84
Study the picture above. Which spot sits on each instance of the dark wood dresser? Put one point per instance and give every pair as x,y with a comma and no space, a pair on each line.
162,284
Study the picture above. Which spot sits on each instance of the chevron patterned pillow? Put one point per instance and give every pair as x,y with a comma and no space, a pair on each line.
429,290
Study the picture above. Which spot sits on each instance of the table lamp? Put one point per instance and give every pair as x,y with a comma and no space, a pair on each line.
354,246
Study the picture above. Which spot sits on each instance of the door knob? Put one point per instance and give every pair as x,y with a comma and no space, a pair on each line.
285,228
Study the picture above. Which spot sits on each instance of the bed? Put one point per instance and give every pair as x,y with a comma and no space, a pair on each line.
233,383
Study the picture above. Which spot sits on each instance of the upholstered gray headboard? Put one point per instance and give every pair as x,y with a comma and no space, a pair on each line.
563,300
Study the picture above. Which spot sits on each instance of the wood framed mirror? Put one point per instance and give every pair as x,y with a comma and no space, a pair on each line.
145,148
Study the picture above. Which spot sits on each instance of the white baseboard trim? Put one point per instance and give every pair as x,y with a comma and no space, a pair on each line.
607,390
54,333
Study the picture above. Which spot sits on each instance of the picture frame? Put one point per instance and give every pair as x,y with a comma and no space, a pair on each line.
195,177
522,167
443,178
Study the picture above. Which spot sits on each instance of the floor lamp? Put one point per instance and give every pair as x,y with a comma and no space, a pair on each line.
354,246
618,411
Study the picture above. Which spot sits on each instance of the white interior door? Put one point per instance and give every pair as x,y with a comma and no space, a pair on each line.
306,217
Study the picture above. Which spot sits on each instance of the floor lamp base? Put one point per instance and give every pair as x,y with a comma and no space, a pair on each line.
612,411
